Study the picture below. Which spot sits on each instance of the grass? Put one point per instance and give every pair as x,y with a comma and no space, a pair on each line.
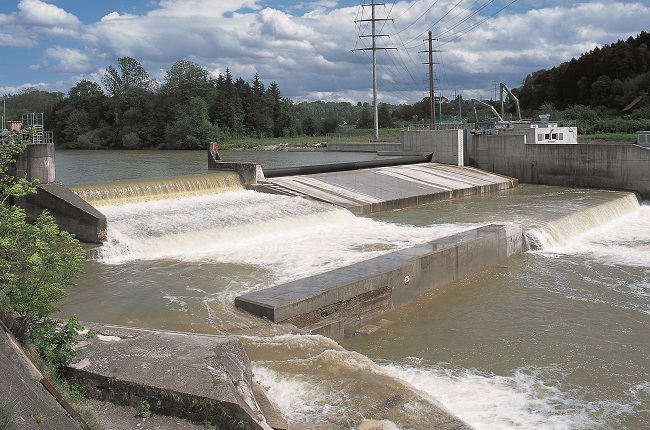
608,138
352,135
6,414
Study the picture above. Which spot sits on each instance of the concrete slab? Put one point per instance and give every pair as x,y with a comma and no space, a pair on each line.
379,189
197,377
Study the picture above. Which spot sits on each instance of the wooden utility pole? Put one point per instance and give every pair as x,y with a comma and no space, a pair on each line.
431,80
373,21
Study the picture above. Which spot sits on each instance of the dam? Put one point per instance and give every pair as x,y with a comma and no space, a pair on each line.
551,338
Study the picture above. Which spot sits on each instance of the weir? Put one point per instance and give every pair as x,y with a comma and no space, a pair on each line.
337,302
153,189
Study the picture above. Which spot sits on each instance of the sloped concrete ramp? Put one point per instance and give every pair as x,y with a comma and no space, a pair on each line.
381,189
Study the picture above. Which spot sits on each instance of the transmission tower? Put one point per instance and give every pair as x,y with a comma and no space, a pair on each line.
373,20
431,79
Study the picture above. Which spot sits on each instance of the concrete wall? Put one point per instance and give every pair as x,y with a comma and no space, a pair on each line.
446,145
620,167
334,302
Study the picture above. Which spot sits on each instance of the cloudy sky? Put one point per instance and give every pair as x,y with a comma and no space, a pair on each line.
312,49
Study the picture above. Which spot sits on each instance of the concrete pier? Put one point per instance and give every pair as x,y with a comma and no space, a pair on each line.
337,301
381,189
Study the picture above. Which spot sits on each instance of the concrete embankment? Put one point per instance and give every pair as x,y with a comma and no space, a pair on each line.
338,301
23,397
202,378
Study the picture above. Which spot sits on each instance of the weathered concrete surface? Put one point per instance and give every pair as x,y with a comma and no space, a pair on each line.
23,395
331,302
609,166
71,212
36,162
197,377
381,189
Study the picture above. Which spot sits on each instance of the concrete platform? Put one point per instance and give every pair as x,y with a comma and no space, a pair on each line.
381,189
340,300
197,377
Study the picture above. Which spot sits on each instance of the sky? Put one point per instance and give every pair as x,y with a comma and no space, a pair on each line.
314,50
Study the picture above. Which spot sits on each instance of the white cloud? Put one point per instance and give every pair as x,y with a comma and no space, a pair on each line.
68,60
306,47
42,14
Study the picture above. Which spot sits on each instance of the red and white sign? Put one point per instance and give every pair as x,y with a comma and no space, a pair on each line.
407,280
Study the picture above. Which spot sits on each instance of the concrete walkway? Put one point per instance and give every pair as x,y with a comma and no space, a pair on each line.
386,188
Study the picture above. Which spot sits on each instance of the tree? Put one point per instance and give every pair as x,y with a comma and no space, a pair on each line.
38,262
192,128
383,115
186,80
131,75
365,119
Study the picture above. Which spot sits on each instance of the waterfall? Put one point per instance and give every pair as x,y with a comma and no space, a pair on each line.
559,231
121,192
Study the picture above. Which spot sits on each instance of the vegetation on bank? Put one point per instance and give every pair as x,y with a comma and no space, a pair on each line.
38,262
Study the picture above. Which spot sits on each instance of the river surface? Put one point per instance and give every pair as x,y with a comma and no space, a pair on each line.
555,338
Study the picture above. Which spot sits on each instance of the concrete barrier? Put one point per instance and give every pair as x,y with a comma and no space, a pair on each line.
337,301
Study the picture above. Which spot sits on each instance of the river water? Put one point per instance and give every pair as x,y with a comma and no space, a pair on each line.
555,338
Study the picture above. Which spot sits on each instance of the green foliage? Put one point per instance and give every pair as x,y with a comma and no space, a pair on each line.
611,76
74,393
38,262
144,407
6,416
54,341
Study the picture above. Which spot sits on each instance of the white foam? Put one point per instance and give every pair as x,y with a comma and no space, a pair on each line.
496,402
294,237
621,241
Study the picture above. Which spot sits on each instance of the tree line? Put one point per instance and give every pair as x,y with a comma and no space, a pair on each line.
606,79
129,110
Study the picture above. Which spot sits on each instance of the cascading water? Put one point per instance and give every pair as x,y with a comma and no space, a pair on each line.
154,189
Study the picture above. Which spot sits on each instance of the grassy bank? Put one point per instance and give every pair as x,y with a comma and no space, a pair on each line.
355,135
385,135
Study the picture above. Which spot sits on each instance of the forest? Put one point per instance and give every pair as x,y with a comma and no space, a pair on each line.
605,91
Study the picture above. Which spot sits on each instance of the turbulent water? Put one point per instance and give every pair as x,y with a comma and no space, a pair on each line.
556,338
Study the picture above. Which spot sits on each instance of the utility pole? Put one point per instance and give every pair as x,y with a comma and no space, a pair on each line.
431,80
373,21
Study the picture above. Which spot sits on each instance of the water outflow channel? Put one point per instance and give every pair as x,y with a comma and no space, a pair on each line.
558,337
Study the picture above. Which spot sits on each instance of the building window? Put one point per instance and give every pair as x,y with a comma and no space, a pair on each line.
560,136
540,137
